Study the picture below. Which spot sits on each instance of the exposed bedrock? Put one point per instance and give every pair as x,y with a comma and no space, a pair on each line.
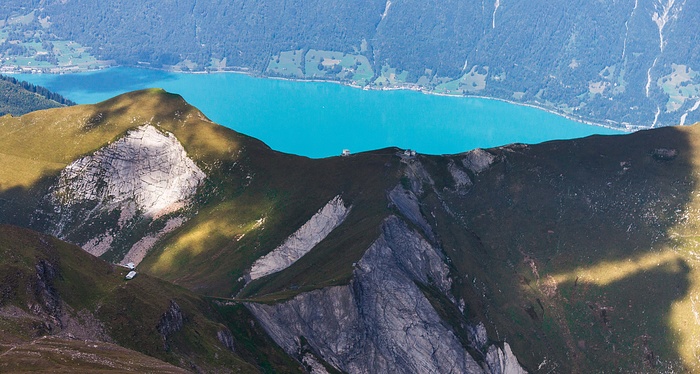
144,174
381,321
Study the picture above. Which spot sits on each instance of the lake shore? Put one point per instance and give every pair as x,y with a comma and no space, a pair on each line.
404,86
317,120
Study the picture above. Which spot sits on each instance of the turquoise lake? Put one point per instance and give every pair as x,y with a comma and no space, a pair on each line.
319,119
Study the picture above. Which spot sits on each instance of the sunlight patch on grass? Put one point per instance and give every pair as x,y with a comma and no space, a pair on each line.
72,132
683,319
200,238
609,272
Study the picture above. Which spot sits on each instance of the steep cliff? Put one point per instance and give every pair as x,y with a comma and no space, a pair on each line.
382,321
303,240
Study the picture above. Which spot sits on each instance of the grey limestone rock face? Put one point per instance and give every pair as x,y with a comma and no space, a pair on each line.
381,322
416,174
460,177
170,322
144,174
502,361
50,304
407,203
146,170
303,240
226,338
312,365
478,160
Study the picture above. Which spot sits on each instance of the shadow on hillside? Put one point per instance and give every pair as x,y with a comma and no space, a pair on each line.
18,204
552,220
630,321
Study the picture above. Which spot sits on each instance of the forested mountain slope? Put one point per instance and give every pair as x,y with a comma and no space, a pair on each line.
19,98
627,61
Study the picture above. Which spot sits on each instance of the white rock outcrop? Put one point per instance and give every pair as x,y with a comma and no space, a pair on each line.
145,167
460,177
407,203
140,249
313,365
303,240
144,174
502,361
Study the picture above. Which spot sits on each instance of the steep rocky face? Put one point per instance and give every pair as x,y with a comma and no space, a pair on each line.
303,240
382,321
49,303
407,203
226,339
170,322
145,174
145,171
502,361
460,177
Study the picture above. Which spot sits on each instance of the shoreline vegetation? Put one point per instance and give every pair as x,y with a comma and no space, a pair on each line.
625,127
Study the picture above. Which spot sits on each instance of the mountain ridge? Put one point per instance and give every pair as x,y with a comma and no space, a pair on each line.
554,248
80,313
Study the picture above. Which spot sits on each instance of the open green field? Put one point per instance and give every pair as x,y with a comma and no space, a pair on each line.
471,82
680,86
389,76
327,64
28,52
318,64
287,64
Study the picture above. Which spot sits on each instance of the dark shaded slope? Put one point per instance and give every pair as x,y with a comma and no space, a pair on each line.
235,227
53,288
572,249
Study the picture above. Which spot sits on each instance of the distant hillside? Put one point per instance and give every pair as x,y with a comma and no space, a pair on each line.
566,256
19,97
627,61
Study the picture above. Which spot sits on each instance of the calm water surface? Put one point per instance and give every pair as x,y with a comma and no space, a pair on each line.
319,119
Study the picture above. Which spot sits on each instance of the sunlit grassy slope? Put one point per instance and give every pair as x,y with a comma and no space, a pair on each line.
582,254
53,137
